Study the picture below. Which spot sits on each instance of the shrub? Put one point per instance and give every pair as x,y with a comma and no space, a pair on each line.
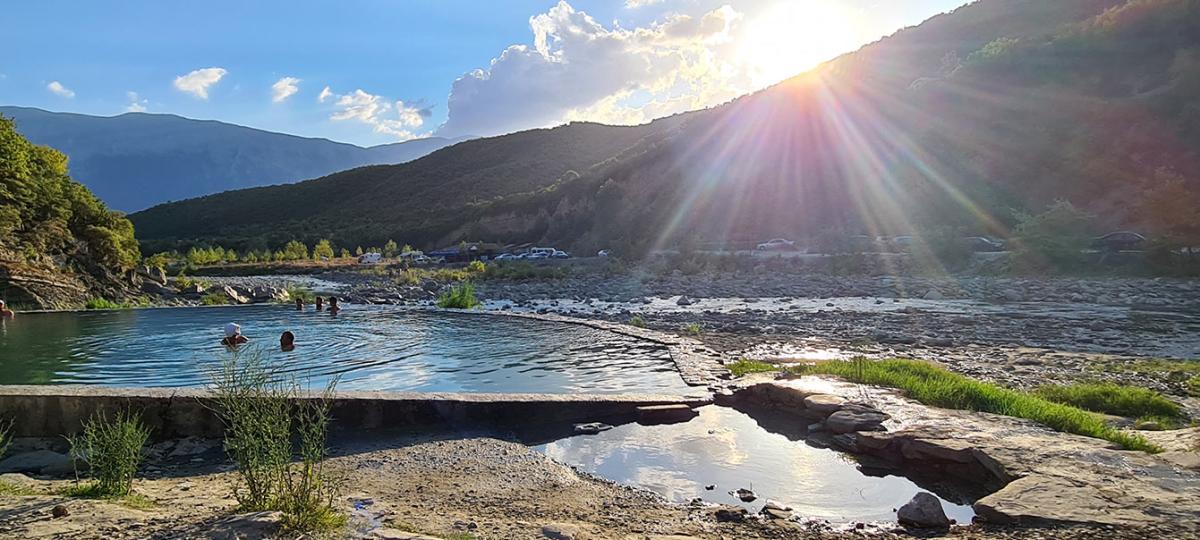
214,299
638,321
938,387
261,414
459,297
1110,398
692,329
103,303
476,267
112,450
743,367
1193,386
299,291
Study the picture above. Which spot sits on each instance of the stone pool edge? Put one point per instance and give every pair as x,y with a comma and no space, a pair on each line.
56,410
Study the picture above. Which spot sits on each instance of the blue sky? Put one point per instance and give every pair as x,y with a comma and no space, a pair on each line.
391,66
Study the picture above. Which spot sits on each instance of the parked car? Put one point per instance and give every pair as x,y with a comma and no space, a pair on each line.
534,255
602,253
507,257
560,254
983,244
775,244
370,258
1119,241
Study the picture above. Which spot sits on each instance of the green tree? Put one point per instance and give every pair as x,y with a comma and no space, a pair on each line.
295,251
1056,237
322,249
391,249
358,251
345,254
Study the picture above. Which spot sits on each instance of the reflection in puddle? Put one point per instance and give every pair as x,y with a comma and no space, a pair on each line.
727,449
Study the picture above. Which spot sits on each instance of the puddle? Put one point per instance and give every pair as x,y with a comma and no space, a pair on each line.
729,450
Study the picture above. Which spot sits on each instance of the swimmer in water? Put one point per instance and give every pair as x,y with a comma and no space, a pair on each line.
299,304
5,313
320,304
333,305
233,336
287,341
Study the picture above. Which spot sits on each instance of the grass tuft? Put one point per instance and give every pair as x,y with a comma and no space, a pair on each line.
692,329
743,367
933,385
638,321
1110,398
8,489
459,297
92,490
112,450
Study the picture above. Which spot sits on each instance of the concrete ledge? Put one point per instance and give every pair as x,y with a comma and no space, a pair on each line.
51,411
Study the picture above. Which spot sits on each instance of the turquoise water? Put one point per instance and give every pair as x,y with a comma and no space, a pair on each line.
728,450
368,347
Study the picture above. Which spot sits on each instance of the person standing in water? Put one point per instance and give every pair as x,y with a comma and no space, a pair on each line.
287,341
6,313
333,305
233,336
299,304
320,304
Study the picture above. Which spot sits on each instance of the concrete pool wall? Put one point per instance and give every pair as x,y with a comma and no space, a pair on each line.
51,411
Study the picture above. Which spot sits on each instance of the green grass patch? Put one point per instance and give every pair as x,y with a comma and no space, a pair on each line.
933,385
214,299
1193,386
638,321
8,489
460,296
1111,398
692,329
93,490
741,368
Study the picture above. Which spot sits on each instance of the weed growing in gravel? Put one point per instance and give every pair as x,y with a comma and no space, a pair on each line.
692,329
743,367
638,321
261,414
1111,398
938,387
459,297
112,449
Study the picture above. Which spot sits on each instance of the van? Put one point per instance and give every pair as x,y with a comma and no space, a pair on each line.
370,258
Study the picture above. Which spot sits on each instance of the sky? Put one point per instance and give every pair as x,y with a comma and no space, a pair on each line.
381,71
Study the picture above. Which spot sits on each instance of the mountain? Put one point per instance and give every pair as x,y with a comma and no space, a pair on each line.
968,121
136,160
59,245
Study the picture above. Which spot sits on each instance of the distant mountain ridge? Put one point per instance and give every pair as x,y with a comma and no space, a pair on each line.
964,123
137,160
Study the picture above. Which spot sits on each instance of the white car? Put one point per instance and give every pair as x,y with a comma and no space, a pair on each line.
775,244
602,253
558,254
537,255
506,257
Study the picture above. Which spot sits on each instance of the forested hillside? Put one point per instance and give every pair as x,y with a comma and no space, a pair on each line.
967,122
137,160
59,244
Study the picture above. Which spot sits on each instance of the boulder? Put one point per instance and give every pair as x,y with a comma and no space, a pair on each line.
561,531
665,414
234,295
195,290
730,514
775,510
934,294
156,288
36,462
684,301
823,404
923,511
269,294
591,428
854,417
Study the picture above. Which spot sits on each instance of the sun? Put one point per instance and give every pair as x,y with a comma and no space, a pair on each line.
792,37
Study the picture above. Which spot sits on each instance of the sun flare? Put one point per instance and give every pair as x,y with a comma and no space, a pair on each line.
796,36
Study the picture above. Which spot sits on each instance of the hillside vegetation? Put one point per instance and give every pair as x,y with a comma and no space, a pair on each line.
59,244
974,122
137,160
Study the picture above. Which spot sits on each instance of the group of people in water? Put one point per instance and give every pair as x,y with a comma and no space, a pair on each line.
287,340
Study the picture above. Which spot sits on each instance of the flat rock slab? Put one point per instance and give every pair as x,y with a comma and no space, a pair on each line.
665,414
824,404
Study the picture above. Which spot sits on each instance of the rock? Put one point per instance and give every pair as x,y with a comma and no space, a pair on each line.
730,515
37,461
744,495
923,511
775,510
665,414
252,526
1012,295
934,294
192,446
158,289
823,404
684,301
591,428
269,294
193,291
560,531
18,480
710,487
853,417
60,511
384,533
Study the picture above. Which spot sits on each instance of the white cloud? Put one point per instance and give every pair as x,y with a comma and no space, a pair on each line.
197,82
397,119
136,103
634,4
324,95
284,88
576,69
58,89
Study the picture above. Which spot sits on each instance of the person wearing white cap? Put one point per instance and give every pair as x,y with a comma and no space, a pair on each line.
5,313
233,335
